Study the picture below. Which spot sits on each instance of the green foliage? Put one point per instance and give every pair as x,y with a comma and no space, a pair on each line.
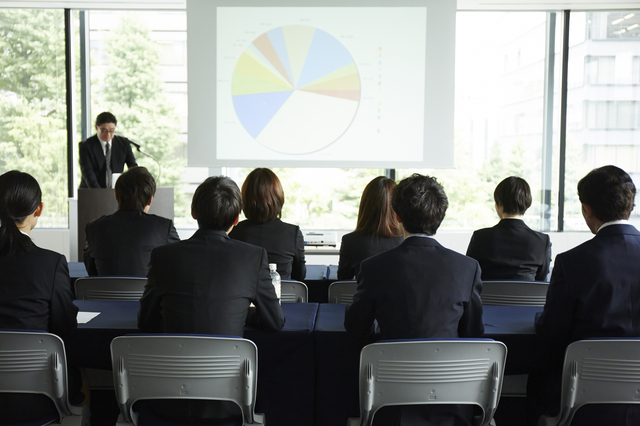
131,89
32,104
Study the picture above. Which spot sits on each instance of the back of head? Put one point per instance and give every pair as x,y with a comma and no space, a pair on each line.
375,216
134,189
421,203
609,191
514,195
216,203
262,196
20,196
105,117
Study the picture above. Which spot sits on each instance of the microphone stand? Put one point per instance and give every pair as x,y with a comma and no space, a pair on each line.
137,145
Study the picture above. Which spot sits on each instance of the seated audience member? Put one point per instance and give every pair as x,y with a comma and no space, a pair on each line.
121,243
511,250
262,198
35,290
376,229
419,290
204,285
594,292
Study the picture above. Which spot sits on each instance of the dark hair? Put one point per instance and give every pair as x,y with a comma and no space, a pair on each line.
421,203
513,194
262,196
375,216
20,196
216,203
134,189
105,117
609,191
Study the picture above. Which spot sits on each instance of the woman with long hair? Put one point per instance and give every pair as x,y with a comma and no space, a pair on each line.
376,231
262,199
35,290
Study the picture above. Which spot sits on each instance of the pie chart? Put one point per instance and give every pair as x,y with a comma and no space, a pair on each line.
296,89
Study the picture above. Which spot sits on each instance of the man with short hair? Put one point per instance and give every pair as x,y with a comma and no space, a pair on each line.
121,243
594,292
205,284
419,289
104,154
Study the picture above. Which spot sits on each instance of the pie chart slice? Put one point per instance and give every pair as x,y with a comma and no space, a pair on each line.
296,89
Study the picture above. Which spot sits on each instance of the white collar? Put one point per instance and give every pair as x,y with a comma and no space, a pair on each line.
614,222
420,235
24,233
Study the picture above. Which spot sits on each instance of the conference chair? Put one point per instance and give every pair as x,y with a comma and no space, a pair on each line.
598,371
109,288
342,291
185,367
524,293
431,371
34,362
293,292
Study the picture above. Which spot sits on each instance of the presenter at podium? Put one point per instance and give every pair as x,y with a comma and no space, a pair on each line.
104,154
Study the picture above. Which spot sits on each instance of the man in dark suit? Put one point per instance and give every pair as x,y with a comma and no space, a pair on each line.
419,289
121,244
205,284
104,153
594,292
511,250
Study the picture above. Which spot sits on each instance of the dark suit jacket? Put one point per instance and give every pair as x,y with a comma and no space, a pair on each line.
121,244
35,293
511,251
283,242
205,285
92,161
594,292
419,290
356,247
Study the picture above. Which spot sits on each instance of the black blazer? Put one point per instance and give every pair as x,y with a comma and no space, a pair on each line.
205,285
283,242
511,251
417,290
35,292
594,292
356,247
92,161
121,244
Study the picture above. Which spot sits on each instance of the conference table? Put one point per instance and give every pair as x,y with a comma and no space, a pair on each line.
308,372
338,355
285,359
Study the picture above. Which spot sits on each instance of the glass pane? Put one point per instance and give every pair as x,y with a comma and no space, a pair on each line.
139,73
33,136
318,198
499,118
605,105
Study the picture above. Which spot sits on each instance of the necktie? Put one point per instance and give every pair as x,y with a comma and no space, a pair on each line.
107,158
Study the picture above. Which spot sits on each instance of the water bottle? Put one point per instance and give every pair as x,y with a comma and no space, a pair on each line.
275,279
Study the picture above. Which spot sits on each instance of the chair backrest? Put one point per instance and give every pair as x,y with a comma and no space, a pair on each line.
34,362
455,371
524,293
342,291
110,288
293,292
184,367
603,371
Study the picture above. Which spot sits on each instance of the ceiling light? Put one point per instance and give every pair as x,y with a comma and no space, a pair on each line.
634,26
629,16
617,21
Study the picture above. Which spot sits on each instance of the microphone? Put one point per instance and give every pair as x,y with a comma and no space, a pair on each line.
137,145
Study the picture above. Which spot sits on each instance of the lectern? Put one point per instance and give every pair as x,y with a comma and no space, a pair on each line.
93,203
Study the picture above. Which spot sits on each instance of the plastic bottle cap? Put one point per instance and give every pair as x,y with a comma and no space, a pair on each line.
272,266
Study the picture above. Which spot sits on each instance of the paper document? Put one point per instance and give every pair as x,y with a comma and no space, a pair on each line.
85,317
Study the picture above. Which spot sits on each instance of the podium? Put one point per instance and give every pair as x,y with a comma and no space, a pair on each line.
93,203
